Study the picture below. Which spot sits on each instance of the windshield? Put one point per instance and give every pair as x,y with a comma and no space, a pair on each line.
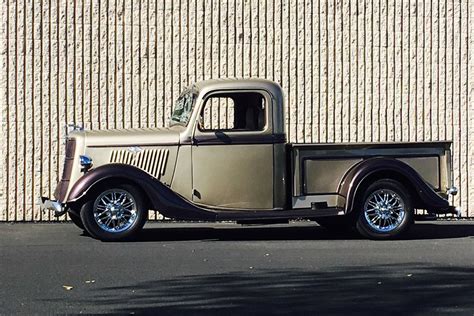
183,108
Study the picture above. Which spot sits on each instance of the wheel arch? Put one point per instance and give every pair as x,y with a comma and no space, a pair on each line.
392,175
78,196
159,196
366,172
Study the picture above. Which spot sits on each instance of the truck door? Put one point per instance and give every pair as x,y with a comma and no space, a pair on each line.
232,152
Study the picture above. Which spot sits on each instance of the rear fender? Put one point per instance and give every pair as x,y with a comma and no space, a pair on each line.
424,197
161,198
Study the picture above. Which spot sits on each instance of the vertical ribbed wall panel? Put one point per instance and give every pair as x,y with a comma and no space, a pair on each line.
372,70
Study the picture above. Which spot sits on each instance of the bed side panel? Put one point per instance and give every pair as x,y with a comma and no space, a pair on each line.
325,175
319,168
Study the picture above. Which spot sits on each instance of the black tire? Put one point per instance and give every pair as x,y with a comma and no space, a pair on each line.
76,219
391,224
96,231
336,223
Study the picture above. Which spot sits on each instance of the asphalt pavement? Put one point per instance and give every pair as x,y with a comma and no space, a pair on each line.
203,268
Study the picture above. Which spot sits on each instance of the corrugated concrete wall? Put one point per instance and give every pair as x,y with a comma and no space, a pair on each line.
374,70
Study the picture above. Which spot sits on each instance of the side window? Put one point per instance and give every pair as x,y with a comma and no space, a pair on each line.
243,111
218,113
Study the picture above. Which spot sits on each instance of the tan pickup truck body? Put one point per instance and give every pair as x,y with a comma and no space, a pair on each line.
221,162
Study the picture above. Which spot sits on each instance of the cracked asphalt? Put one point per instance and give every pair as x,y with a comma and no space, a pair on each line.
207,268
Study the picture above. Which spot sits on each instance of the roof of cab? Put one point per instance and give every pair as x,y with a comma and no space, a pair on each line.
206,86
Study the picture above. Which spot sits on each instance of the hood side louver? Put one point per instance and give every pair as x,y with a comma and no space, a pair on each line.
152,161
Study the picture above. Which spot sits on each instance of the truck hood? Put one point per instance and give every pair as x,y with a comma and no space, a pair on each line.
133,137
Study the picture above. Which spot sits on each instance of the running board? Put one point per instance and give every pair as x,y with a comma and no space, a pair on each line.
269,221
247,216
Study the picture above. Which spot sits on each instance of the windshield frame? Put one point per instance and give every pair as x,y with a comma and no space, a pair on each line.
192,91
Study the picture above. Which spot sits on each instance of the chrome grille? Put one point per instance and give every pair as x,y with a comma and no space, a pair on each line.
152,161
61,189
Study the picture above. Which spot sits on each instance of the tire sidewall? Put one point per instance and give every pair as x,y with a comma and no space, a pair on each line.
91,226
363,226
76,219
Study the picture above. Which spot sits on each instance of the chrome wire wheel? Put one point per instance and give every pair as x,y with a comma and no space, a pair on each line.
115,210
384,210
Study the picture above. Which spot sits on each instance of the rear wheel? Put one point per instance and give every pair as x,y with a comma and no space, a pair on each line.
385,210
114,214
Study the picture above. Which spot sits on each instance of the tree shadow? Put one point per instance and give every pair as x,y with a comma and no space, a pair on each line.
376,289
245,233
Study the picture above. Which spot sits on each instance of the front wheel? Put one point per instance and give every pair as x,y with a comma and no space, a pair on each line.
385,211
76,219
114,214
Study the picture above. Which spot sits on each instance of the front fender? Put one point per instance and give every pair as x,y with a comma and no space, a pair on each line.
161,197
350,186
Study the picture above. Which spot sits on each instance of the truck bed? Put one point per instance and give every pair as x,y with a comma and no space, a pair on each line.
318,169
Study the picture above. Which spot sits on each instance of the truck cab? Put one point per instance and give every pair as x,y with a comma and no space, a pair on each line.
225,156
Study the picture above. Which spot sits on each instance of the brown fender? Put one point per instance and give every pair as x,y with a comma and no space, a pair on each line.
162,198
424,196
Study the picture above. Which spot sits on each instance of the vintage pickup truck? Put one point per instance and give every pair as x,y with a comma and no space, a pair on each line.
225,157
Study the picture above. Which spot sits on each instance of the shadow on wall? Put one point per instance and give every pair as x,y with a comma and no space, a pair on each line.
288,232
380,289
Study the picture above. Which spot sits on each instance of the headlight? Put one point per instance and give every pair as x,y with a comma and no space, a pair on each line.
85,161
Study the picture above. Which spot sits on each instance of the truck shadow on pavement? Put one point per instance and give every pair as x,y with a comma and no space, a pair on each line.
377,289
236,233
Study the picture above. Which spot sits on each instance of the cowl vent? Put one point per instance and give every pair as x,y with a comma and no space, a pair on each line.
152,161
